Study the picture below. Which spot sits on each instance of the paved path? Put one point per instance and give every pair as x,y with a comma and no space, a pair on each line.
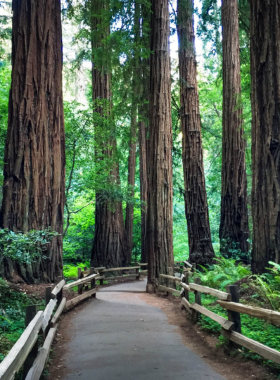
119,336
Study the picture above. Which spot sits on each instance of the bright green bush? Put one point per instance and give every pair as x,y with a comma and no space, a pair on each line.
225,272
268,285
71,271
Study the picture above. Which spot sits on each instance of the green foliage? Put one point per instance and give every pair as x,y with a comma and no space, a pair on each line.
180,233
5,80
223,273
12,315
5,29
268,285
71,271
231,250
24,248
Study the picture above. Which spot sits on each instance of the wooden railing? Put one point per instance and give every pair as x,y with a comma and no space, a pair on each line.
26,348
26,353
229,300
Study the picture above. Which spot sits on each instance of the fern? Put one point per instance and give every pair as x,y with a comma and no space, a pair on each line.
223,273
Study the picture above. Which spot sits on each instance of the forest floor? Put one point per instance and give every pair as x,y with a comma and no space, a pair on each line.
141,335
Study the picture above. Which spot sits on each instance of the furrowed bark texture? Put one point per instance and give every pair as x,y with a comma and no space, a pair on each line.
109,243
142,135
133,134
234,226
196,207
34,171
143,123
265,63
131,181
159,163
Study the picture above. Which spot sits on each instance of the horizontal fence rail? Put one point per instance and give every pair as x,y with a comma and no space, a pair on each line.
25,351
18,354
231,327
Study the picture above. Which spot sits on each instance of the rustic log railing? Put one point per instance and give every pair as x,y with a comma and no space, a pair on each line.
231,327
25,351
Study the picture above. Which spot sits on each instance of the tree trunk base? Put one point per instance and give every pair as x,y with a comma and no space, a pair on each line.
151,288
202,258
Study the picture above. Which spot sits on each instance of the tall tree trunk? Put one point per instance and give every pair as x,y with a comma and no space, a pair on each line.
144,66
142,135
109,244
234,228
131,181
159,163
200,244
265,63
34,171
133,132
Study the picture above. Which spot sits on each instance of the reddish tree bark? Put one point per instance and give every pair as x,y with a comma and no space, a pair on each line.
144,66
265,63
234,226
34,171
131,181
159,163
142,135
109,244
133,133
200,244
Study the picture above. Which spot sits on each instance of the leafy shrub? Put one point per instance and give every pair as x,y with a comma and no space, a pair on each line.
225,272
24,248
70,271
268,285
12,315
231,250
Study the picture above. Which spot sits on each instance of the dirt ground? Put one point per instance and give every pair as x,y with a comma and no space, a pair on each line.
39,291
202,343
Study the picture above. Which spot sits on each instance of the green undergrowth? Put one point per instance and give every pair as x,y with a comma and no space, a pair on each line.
70,271
253,328
13,304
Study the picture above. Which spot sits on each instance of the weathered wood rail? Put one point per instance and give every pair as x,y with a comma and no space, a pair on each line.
229,300
26,353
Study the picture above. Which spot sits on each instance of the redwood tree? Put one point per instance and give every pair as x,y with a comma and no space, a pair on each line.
200,244
234,229
159,163
265,63
133,131
34,171
142,135
144,94
131,180
109,244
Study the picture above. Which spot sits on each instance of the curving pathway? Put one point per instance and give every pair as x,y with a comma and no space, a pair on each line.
119,336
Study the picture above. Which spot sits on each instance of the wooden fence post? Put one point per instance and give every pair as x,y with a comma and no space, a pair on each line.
186,281
48,294
30,314
92,283
86,286
170,283
80,287
138,274
100,273
197,294
59,295
234,316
